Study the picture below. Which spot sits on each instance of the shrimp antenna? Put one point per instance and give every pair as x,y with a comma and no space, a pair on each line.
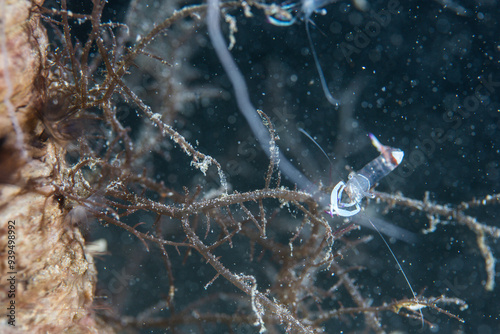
333,101
400,269
316,143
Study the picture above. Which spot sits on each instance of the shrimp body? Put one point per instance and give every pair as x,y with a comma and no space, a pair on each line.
359,184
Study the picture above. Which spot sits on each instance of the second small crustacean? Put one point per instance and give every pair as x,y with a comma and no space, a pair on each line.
306,9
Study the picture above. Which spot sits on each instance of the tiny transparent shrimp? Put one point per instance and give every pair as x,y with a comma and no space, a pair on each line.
358,187
307,9
359,184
